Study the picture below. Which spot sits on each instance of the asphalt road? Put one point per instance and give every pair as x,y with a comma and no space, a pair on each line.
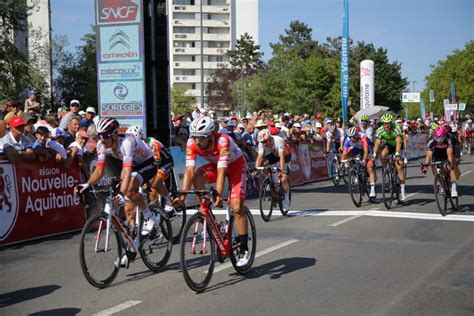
327,257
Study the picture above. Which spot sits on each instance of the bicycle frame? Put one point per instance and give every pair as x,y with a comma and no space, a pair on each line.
269,171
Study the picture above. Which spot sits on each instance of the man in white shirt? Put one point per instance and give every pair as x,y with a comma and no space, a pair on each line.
16,147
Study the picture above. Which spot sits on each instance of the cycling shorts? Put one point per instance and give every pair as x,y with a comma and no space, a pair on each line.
237,174
355,151
440,154
391,149
145,171
272,159
166,165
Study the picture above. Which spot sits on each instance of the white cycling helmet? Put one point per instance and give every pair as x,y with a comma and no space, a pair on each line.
135,131
203,126
352,132
263,135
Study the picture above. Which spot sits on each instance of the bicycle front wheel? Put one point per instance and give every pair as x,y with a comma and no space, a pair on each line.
355,188
177,218
251,242
266,200
198,252
100,254
441,194
387,188
156,247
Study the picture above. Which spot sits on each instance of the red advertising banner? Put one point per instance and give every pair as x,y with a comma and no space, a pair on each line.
307,163
37,200
319,170
296,171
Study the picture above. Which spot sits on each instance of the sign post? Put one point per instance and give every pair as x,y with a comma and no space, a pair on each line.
432,99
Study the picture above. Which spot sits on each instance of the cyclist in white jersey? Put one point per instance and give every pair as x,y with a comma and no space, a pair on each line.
335,135
138,167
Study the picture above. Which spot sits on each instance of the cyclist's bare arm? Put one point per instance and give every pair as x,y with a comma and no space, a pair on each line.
258,163
125,177
220,185
95,176
398,147
282,161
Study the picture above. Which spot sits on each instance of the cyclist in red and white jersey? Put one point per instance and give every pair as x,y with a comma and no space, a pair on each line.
334,135
225,159
138,167
273,149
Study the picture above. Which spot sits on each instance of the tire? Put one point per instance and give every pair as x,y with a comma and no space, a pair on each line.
396,187
156,247
177,218
335,172
387,188
197,266
281,197
252,242
266,200
343,173
440,194
100,267
355,188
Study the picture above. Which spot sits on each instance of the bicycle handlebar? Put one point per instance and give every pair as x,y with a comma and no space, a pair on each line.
211,191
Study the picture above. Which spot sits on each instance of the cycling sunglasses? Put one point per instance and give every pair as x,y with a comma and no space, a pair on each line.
104,136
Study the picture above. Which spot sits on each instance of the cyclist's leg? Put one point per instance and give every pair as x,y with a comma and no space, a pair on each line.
454,171
284,176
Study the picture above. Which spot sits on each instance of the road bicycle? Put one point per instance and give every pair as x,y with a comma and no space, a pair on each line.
107,235
200,236
338,170
252,187
358,182
442,187
390,182
271,193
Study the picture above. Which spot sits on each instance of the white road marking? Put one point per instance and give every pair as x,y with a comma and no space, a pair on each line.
345,220
259,254
118,308
466,173
411,194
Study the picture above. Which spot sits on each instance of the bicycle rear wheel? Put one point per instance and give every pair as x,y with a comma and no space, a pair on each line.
266,200
355,188
100,265
387,188
440,194
335,172
251,242
155,248
198,252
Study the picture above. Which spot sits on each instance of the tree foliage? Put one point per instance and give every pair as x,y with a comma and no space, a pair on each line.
19,73
457,67
180,102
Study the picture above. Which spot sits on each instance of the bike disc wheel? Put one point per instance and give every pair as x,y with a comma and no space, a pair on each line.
266,200
355,188
198,250
99,265
335,173
156,247
387,188
251,242
440,194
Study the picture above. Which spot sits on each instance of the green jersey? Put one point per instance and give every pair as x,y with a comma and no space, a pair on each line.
390,137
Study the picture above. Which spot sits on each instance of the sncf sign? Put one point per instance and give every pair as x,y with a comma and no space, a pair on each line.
118,11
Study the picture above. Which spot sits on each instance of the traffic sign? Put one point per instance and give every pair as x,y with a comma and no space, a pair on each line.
461,106
432,96
451,107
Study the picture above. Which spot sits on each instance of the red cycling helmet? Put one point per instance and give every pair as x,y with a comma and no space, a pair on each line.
440,133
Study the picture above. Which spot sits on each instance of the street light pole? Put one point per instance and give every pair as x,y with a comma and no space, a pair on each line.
414,82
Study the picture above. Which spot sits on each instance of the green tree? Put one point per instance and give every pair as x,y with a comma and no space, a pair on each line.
457,67
75,73
246,56
17,72
180,102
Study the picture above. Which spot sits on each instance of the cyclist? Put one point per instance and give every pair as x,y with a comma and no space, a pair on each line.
441,148
468,131
367,129
273,149
138,167
388,138
336,136
225,159
355,144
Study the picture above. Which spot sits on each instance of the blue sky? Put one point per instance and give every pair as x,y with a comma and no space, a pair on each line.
416,33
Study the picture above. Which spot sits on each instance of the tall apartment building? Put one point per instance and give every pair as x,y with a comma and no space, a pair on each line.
200,33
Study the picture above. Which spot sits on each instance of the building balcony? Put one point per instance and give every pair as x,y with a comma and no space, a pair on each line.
216,23
186,65
185,8
215,51
186,22
215,9
186,51
188,36
186,79
216,37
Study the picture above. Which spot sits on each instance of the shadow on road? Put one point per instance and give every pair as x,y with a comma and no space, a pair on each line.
274,270
19,296
58,312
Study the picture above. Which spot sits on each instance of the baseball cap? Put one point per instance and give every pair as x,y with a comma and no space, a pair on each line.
297,125
318,125
82,113
33,92
82,134
241,126
16,121
230,123
74,102
58,132
91,110
274,131
177,117
260,123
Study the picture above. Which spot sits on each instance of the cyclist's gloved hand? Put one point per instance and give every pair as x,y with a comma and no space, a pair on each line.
397,156
424,168
119,198
81,188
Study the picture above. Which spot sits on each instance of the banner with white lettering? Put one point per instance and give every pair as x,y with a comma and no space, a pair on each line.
37,200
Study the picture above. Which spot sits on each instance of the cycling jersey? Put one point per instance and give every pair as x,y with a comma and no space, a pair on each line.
131,151
278,145
389,137
358,146
433,144
224,152
338,135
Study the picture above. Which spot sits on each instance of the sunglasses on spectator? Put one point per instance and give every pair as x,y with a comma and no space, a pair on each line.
182,134
75,105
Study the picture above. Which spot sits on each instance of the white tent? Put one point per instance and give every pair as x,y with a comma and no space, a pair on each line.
373,111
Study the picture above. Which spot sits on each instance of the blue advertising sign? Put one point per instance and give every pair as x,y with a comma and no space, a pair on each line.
345,61
120,61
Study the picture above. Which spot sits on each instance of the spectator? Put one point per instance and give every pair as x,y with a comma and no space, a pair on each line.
196,113
16,147
90,118
284,126
182,137
75,106
6,108
213,115
177,121
72,129
33,104
78,149
295,132
16,110
29,127
258,127
203,112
